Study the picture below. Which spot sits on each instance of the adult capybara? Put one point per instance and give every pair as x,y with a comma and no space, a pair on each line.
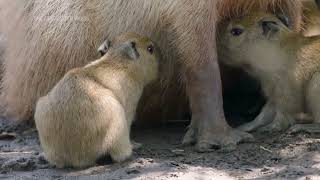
54,36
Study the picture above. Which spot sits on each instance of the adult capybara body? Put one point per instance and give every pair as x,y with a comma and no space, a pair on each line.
54,36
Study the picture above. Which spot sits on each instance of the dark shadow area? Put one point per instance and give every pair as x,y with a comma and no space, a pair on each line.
242,99
242,96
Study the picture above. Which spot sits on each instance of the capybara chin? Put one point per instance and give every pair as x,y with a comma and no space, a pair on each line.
89,112
53,36
286,63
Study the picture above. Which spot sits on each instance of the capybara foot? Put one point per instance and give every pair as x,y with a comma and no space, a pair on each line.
280,123
264,118
121,154
136,145
122,150
227,141
190,137
308,128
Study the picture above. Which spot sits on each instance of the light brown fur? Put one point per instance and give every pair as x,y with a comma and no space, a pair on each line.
2,50
311,18
89,112
286,63
54,36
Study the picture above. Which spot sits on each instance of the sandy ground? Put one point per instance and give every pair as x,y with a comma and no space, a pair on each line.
271,156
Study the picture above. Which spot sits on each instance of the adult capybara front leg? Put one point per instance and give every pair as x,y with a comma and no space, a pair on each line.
202,78
208,121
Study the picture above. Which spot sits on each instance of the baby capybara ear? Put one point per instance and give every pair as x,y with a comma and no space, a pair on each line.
104,47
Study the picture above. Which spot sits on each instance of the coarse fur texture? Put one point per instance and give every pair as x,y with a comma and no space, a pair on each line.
53,36
285,62
6,6
2,50
292,9
311,18
89,112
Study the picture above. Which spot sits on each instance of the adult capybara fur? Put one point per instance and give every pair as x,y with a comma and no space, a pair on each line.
2,50
53,36
89,112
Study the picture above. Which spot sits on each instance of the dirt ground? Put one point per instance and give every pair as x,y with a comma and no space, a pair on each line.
271,156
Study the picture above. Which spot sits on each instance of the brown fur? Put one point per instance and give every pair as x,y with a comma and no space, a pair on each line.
54,36
286,63
231,8
176,104
89,112
311,22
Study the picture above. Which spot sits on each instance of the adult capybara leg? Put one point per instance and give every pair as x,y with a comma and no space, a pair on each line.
203,82
207,112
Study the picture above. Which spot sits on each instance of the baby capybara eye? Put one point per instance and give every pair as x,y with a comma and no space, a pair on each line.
150,49
236,31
